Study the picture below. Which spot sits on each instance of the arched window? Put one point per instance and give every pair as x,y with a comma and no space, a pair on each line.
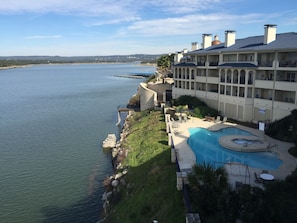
242,77
222,75
251,77
235,76
228,76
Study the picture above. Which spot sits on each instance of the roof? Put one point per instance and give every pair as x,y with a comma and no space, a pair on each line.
284,41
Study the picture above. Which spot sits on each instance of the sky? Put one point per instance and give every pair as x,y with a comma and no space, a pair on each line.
124,27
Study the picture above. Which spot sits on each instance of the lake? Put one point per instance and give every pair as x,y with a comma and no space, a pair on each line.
53,119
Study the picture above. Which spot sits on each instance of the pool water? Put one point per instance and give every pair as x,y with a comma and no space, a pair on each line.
246,141
205,145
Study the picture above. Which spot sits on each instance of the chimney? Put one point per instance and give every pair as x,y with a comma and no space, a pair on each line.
269,33
194,46
215,41
229,38
177,57
206,41
185,51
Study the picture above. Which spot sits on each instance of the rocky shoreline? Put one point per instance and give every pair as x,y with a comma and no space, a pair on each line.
111,183
13,67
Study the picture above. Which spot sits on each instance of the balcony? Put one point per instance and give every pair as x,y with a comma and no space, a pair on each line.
259,102
288,86
201,79
265,63
200,64
213,63
213,80
288,63
284,106
266,84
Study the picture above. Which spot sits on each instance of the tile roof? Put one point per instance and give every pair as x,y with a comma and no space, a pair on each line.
284,41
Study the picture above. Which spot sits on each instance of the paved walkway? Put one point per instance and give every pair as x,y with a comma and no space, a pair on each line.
187,159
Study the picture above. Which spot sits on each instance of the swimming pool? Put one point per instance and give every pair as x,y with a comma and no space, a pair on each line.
246,141
205,145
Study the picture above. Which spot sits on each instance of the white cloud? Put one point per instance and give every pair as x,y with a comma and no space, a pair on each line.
192,24
113,21
44,37
184,6
103,7
86,7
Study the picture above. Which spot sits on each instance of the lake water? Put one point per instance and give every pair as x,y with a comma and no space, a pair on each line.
53,119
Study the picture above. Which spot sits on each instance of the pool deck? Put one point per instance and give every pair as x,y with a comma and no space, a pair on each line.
187,159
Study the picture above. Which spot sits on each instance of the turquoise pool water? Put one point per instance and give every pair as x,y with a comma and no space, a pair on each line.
205,145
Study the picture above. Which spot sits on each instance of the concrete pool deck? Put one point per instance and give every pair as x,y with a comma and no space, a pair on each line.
187,159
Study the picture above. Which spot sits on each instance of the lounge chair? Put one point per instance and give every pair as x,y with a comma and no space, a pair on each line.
224,119
218,119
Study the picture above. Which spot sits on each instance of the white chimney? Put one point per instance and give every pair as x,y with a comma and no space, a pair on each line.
177,57
206,40
229,38
194,46
269,33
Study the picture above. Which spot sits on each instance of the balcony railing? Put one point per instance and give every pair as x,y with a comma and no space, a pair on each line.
213,63
201,64
288,63
265,63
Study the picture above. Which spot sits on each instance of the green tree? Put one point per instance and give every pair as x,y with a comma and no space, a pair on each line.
164,62
208,185
281,199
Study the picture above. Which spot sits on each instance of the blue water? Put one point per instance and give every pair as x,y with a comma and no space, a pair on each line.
205,145
53,119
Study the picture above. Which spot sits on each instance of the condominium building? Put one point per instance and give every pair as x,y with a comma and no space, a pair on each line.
250,79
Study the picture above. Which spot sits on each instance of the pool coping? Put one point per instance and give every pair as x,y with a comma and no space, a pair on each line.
227,142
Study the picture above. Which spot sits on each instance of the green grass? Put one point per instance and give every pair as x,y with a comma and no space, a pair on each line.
150,191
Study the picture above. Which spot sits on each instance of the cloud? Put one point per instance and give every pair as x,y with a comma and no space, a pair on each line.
104,7
113,21
184,6
44,37
192,24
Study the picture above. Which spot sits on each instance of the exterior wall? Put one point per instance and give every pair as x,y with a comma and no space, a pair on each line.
159,89
148,98
266,91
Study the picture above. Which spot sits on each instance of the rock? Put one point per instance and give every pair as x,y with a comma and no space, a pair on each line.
118,175
110,141
115,183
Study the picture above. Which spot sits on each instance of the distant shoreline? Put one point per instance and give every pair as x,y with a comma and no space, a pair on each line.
73,63
14,66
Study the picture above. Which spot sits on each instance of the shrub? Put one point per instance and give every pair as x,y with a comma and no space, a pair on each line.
284,129
191,101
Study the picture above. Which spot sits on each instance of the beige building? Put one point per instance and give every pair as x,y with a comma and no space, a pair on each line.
250,79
